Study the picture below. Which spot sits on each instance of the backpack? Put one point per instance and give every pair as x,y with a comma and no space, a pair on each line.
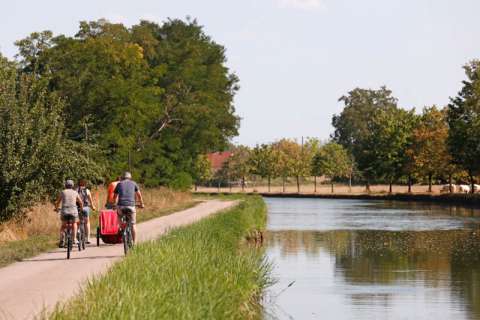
84,196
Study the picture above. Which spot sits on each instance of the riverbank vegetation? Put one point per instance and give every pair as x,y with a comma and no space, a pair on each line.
209,270
149,98
376,141
24,238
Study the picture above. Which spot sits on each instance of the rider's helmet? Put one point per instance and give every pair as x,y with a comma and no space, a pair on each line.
127,175
69,184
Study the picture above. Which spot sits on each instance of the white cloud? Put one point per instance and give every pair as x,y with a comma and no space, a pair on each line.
302,4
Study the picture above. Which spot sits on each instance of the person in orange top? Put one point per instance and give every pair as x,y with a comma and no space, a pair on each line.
110,204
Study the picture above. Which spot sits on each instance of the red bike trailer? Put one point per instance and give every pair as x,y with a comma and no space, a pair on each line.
107,229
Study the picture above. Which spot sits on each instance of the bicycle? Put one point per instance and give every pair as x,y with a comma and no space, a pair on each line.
82,231
126,229
68,232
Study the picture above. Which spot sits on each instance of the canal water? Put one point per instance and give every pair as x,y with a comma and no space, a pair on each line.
360,259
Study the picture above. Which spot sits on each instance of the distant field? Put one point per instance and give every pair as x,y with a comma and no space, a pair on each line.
324,188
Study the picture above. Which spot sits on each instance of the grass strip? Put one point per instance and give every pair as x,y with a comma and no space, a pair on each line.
13,251
208,270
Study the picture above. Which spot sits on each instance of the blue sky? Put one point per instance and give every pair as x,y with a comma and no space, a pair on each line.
295,58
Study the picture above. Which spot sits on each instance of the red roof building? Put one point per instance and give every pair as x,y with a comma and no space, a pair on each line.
217,159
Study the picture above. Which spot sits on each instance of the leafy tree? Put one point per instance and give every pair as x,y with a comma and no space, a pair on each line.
429,151
353,124
384,155
265,162
332,161
31,49
153,96
464,123
202,170
238,166
295,159
36,158
285,161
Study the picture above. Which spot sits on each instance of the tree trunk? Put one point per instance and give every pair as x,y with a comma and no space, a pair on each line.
298,184
331,184
409,184
243,184
350,183
390,187
450,186
196,187
472,183
283,184
315,184
269,183
367,187
430,183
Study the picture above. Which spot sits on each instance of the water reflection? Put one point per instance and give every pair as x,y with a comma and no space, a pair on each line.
329,214
374,273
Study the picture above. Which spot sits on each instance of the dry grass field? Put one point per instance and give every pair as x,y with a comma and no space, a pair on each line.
42,220
323,189
39,230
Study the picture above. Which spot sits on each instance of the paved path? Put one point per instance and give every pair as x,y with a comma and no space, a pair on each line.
36,284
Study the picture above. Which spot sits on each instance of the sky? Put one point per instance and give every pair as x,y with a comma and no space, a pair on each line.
295,58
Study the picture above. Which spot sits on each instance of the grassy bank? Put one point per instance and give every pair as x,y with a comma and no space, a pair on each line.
39,231
208,270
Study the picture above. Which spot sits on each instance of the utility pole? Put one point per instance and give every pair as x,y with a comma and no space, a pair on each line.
86,131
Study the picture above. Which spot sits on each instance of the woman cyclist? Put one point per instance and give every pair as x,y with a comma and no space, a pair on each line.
88,204
69,199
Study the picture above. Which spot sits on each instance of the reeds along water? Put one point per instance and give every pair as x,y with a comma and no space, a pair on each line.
43,220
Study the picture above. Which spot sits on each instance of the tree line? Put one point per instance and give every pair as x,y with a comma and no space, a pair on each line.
148,98
285,159
377,141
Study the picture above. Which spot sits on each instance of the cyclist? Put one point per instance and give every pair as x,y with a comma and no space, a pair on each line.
110,203
69,199
88,204
127,193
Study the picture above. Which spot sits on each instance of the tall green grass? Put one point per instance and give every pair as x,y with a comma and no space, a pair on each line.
204,271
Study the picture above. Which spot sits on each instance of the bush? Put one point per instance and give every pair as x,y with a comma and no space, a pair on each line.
36,157
182,182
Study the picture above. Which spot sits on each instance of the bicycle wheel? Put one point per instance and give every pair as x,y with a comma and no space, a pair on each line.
84,236
69,243
130,238
125,241
79,239
98,236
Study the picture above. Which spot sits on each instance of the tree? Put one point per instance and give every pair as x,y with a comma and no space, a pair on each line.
202,170
36,157
264,161
353,124
295,159
153,96
429,151
332,161
384,155
238,166
285,161
464,123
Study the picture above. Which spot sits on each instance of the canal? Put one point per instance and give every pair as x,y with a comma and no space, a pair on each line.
360,259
